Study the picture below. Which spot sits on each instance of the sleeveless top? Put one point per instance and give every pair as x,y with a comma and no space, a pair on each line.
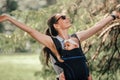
74,65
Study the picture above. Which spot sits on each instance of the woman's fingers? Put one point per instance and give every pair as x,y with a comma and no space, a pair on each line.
118,11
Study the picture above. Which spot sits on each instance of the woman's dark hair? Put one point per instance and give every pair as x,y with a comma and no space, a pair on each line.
50,31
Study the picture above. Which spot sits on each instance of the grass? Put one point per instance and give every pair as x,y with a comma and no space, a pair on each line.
19,67
22,67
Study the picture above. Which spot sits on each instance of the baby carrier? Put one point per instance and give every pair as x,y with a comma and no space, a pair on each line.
74,65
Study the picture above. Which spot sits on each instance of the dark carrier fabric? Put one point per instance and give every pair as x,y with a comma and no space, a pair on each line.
74,65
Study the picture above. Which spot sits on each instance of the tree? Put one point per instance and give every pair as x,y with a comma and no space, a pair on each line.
105,62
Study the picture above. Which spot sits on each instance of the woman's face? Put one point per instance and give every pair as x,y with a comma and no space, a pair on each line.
63,21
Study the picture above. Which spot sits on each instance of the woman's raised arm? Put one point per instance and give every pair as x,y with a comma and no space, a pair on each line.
42,38
83,35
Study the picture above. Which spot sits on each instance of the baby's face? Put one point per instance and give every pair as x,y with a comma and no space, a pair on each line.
70,44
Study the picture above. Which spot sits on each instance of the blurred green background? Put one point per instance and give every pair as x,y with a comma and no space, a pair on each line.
21,57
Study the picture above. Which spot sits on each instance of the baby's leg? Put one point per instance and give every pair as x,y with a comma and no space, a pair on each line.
90,77
61,76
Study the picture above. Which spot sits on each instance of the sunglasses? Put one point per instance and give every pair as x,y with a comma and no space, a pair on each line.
61,17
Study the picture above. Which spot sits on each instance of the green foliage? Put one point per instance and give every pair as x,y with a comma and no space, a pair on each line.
11,5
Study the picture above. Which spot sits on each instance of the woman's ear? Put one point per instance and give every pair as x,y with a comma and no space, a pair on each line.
56,26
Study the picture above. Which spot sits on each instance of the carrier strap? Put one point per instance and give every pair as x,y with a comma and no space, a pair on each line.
74,35
57,44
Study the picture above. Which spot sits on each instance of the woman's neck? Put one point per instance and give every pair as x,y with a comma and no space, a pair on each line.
64,34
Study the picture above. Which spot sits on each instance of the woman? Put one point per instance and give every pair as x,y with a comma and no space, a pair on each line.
58,29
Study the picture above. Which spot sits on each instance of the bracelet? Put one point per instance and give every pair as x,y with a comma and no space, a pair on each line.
113,16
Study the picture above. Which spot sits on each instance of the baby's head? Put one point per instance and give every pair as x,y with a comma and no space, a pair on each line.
70,44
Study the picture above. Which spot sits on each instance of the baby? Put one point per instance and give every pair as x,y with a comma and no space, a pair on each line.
71,43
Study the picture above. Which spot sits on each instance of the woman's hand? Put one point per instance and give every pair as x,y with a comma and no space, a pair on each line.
117,12
60,59
3,18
